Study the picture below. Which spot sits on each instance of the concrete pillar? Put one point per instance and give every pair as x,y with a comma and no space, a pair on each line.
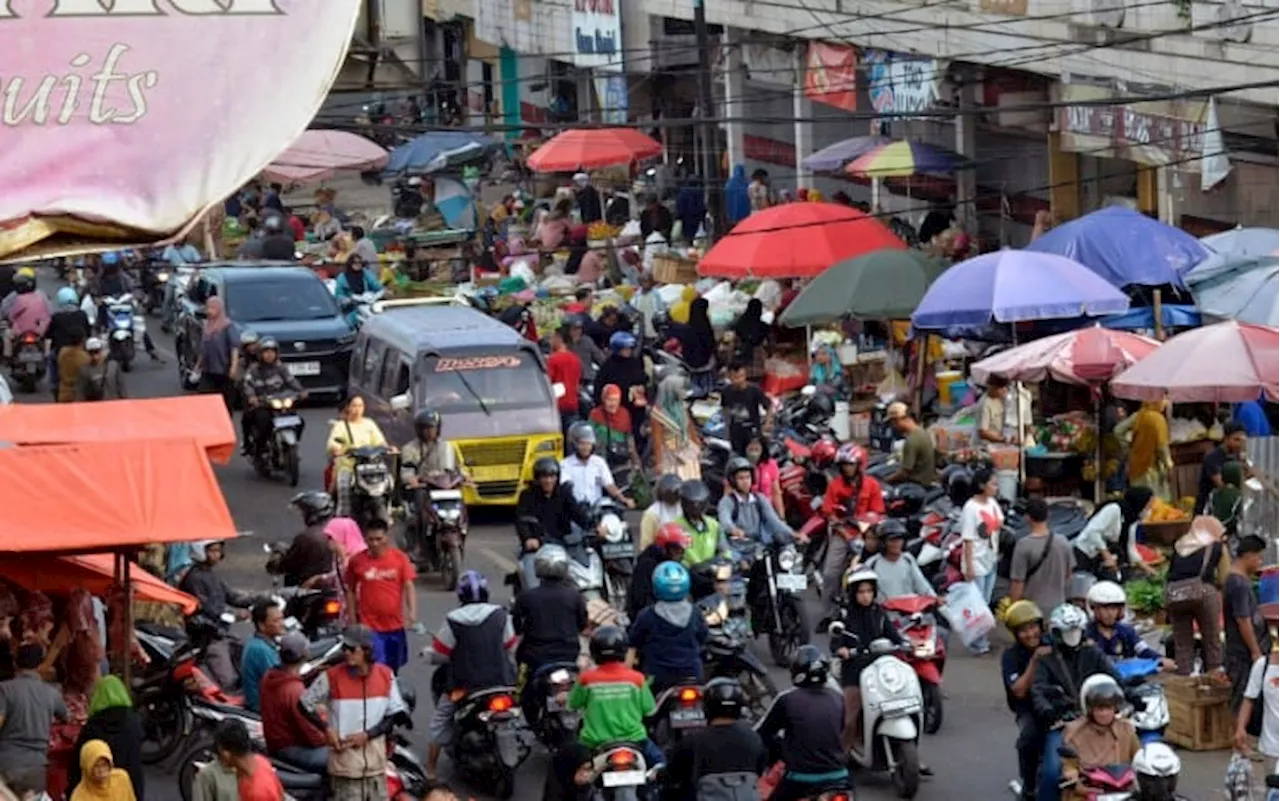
1064,181
803,112
735,89
1148,191
967,146
1169,191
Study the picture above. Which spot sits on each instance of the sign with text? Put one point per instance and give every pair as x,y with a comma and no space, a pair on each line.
1156,133
902,85
124,121
613,97
597,34
831,75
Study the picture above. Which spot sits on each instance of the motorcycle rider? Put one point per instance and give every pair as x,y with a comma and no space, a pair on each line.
309,555
250,343
548,618
745,515
708,541
1018,666
1116,638
112,282
810,718
852,496
897,570
587,473
664,509
1101,737
68,323
277,239
214,596
667,637
864,621
427,461
552,504
26,311
101,378
474,645
1056,684
710,762
290,735
267,376
669,546
1078,587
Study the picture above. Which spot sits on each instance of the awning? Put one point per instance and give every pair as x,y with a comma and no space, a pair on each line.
203,418
95,573
101,496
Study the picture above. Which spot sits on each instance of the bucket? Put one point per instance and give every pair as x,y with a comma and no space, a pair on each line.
945,379
1269,584
1007,484
840,422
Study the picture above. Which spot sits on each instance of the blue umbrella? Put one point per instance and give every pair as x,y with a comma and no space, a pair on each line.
436,150
1244,241
455,203
1246,290
833,157
1125,247
1011,286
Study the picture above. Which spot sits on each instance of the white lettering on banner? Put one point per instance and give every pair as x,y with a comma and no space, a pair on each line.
39,105
902,85
597,34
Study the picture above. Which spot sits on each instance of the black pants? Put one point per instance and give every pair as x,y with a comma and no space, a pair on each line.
1030,749
788,790
221,384
255,427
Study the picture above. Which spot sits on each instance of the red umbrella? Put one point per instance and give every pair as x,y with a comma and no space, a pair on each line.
589,148
1084,356
796,240
1229,362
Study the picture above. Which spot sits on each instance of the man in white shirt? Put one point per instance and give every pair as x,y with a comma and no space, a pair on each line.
588,474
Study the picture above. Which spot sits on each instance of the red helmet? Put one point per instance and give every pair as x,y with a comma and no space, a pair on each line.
852,454
822,453
673,534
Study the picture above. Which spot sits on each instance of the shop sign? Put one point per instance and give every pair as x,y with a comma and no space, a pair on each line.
1155,133
597,34
102,140
831,75
611,93
902,85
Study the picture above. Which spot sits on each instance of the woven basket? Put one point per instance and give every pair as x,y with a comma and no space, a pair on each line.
669,268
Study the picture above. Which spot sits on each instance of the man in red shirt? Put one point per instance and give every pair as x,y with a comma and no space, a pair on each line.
380,593
853,496
565,368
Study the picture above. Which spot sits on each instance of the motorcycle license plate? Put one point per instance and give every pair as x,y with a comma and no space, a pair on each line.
304,368
617,550
623,778
687,718
792,582
30,357
287,421
901,705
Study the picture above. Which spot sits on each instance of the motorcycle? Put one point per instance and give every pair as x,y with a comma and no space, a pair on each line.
915,617
891,711
124,327
1150,716
543,700
316,612
1103,782
778,612
155,282
436,533
619,773
617,551
586,568
371,485
280,452
359,308
489,741
727,655
678,710
29,363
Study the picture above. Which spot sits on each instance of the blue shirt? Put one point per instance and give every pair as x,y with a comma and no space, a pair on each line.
1124,643
260,655
1013,663
1253,418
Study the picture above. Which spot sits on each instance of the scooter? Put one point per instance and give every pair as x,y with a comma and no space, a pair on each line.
617,551
436,534
1151,716
371,486
1103,782
915,617
125,329
543,700
28,364
359,308
892,706
619,773
678,710
280,452
489,742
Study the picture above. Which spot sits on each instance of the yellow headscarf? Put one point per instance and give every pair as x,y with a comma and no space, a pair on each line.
1150,438
117,787
680,310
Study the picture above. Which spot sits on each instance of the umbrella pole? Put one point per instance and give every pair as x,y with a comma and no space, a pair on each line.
917,397
1158,312
1097,449
126,661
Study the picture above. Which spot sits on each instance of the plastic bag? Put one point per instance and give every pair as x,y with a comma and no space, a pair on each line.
967,612
1238,781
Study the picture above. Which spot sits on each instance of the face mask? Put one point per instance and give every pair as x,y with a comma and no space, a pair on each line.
1072,637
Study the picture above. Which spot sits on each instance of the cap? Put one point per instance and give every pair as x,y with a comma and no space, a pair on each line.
896,409
357,637
293,648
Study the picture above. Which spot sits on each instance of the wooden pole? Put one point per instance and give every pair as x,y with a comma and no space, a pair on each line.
1157,310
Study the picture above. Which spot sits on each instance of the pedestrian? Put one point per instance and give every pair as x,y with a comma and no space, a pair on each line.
691,208
648,302
219,358
565,369
380,592
261,652
1247,639
1234,442
101,378
980,521
1042,561
751,334
1260,710
759,192
1198,569
1108,545
28,708
1149,457
100,779
747,410
698,345
114,721
71,359
252,778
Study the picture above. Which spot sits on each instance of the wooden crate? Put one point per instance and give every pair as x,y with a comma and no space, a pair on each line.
1199,714
669,268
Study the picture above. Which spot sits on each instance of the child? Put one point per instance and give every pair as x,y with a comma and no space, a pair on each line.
667,637
1099,738
1114,637
864,620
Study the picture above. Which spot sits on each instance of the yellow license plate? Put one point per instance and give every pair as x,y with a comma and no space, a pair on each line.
498,473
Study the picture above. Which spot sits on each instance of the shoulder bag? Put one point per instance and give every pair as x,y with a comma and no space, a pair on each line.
1185,595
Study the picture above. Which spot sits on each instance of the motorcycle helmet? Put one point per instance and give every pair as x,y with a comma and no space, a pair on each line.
546,466
1157,768
268,343
621,340
582,433
960,487
809,668
1022,613
200,549
1106,593
820,408
823,453
608,644
668,489
473,587
1079,586
737,465
273,224
860,576
1067,623
1100,690
67,297
852,454
110,258
315,506
427,418
890,529
94,345
660,319
694,497
670,582
723,699
249,338
23,283
673,534
551,563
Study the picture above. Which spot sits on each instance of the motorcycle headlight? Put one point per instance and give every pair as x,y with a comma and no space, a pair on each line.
614,528
925,649
162,277
449,515
787,559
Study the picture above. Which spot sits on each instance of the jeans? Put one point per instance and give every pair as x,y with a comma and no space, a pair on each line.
528,578
1050,767
986,585
1031,739
311,760
833,567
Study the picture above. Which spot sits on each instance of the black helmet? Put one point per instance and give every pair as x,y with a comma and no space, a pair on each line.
427,418
809,668
821,407
694,497
546,466
668,489
736,465
892,529
23,283
960,487
315,506
723,698
608,644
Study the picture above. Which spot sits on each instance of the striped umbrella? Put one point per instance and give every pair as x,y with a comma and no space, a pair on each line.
904,159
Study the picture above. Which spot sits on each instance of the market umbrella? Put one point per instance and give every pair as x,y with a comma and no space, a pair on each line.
796,240
904,159
1246,288
833,157
1244,241
318,154
438,150
591,148
1229,362
1083,356
1010,286
455,203
884,285
1125,247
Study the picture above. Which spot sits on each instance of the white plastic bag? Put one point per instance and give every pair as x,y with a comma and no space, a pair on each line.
968,613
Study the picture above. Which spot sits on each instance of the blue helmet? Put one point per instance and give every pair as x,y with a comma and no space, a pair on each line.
110,257
620,340
67,297
473,587
671,582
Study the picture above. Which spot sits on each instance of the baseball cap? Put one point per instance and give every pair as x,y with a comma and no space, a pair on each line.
896,409
357,637
293,648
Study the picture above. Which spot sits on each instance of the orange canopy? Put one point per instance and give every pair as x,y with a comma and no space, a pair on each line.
201,417
99,496
95,572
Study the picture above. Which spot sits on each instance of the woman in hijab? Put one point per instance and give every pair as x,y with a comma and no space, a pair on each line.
752,335
1225,501
1108,543
101,780
698,345
345,539
737,202
1149,457
691,208
114,721
826,372
554,227
355,280
350,431
675,440
219,359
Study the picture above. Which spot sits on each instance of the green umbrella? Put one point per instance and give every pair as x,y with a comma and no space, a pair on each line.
884,285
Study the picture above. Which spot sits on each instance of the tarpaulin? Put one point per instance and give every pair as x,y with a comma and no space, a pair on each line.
99,496
94,572
203,418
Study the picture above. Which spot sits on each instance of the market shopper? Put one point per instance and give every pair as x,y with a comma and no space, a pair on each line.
565,369
28,708
698,346
1108,545
1042,561
747,410
980,521
1234,442
219,358
113,720
1247,639
100,779
381,595
1198,567
1149,457
751,335
919,461
1259,714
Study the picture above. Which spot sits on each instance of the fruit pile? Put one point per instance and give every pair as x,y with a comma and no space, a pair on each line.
1163,512
600,230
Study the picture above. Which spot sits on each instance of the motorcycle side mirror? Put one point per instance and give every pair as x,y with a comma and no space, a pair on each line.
227,617
402,402
558,390
1067,752
836,628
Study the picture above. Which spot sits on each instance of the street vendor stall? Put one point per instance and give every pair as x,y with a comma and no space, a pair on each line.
95,572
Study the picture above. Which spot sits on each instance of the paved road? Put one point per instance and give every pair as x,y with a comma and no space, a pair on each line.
972,756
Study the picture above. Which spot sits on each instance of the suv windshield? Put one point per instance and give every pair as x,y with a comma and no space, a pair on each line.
483,383
268,299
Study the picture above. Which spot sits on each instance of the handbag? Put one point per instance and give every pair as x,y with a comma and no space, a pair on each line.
1185,595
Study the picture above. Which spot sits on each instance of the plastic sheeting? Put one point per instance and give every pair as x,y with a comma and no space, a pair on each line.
99,496
93,572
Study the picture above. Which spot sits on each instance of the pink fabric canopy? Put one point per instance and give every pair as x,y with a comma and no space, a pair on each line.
1229,362
1088,355
318,154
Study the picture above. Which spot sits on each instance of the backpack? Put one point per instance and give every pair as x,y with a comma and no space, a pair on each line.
740,786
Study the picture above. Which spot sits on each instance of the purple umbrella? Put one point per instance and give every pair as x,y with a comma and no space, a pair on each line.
1010,286
833,157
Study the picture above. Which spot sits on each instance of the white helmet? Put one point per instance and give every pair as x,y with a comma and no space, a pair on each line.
1067,623
1106,593
93,345
199,548
1156,760
855,577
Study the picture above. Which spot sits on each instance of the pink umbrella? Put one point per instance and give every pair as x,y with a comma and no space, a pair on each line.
1085,356
1229,362
318,154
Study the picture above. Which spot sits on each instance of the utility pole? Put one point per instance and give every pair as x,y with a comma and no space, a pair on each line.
709,160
